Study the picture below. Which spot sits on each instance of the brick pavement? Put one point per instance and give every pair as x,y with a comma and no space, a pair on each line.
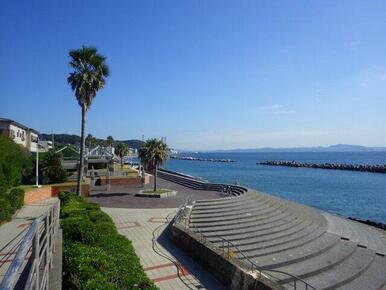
163,262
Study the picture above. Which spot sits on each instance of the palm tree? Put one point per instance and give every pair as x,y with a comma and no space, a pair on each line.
153,154
88,77
109,141
90,141
122,150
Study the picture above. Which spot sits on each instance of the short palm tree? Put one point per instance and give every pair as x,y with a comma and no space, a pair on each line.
153,154
122,150
88,77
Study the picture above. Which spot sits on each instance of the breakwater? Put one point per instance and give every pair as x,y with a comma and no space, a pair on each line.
335,166
190,158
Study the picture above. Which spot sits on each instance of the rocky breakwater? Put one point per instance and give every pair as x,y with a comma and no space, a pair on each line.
190,158
336,166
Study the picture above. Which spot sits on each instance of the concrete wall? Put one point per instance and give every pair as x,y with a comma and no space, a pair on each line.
71,187
227,271
125,181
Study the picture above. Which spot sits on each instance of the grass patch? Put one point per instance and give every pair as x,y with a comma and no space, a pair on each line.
160,190
95,256
126,168
28,187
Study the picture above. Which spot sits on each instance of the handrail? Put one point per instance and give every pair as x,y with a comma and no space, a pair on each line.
219,187
261,270
39,239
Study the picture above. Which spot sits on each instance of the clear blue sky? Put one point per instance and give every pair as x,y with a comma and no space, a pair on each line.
206,74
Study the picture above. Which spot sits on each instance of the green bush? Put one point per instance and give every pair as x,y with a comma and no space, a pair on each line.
10,202
14,160
95,255
16,197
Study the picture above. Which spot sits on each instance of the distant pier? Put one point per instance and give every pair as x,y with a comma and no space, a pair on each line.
336,166
190,158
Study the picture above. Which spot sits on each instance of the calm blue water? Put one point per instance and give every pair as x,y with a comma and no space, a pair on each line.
356,194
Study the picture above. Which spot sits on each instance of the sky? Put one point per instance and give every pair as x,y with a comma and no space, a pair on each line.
207,74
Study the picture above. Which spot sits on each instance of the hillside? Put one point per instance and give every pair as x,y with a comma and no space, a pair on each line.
75,140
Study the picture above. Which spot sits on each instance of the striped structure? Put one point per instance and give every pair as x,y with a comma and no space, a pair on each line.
325,250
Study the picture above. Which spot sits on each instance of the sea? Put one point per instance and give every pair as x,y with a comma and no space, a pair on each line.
347,193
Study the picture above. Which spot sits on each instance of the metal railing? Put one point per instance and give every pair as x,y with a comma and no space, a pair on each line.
228,253
31,271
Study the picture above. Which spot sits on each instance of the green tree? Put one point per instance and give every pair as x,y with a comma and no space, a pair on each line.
121,151
88,77
52,167
90,141
153,154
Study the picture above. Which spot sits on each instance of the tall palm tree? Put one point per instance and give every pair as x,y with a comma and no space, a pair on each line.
122,150
109,141
153,154
88,77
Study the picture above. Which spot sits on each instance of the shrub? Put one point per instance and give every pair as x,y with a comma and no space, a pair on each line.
95,255
10,202
13,161
16,197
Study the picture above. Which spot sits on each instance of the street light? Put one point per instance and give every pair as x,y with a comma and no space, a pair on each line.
37,163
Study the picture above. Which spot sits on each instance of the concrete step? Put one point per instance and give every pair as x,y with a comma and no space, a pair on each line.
373,278
320,263
281,246
298,254
270,234
249,226
344,272
272,242
224,212
239,214
261,220
227,207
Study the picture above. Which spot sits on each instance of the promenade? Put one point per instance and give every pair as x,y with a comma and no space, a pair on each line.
163,262
145,222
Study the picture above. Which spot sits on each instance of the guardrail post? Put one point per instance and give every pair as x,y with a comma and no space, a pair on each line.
35,250
47,253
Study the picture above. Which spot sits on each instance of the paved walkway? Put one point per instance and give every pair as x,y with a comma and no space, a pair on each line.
123,196
164,263
13,231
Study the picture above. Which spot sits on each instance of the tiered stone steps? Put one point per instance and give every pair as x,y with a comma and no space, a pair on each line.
325,250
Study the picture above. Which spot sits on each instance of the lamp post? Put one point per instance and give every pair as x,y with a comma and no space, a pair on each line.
37,163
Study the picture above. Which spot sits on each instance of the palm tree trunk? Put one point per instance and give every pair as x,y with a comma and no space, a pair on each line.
155,178
81,157
121,163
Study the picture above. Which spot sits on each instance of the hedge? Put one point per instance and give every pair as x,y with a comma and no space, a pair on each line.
95,256
10,202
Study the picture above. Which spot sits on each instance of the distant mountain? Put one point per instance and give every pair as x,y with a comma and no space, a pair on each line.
332,148
75,140
61,138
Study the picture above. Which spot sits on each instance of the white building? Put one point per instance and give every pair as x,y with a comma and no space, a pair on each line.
19,133
45,145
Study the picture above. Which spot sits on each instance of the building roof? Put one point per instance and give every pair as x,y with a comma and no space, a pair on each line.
5,120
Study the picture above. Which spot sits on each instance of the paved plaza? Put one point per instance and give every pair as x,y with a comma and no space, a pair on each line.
163,262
